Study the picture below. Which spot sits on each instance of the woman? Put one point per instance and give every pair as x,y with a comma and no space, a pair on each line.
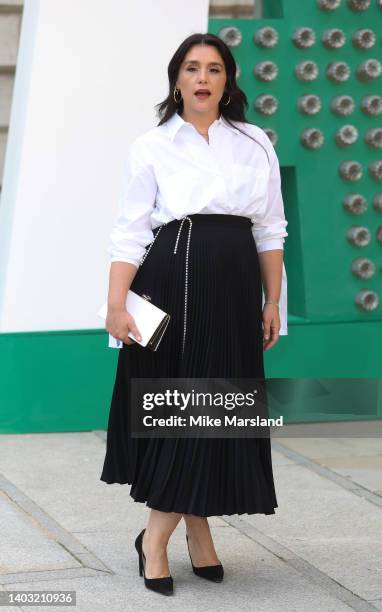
205,168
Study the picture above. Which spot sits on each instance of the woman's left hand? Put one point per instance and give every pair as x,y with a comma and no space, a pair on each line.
271,325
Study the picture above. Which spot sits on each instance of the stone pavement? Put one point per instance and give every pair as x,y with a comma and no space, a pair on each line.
64,529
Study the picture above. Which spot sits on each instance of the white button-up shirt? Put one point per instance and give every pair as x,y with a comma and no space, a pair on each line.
172,172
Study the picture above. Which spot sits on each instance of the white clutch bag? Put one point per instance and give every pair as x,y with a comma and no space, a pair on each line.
151,321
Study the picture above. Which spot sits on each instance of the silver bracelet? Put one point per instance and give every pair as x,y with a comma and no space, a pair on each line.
271,302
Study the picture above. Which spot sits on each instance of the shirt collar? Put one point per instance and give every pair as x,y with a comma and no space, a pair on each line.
176,122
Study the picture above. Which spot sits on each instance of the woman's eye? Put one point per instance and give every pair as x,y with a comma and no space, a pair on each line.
191,69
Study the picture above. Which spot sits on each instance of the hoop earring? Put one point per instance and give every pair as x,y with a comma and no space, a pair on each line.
175,90
226,103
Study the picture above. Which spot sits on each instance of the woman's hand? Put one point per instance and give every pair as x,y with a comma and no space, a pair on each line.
119,322
271,323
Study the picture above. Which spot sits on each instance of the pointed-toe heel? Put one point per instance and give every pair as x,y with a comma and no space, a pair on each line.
164,586
210,572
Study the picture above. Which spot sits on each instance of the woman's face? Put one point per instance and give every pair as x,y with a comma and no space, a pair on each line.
202,68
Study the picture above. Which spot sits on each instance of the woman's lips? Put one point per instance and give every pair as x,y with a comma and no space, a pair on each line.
202,96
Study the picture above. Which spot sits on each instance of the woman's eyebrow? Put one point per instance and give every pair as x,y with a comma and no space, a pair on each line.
197,62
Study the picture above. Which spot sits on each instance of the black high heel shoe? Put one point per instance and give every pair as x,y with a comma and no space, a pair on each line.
164,586
211,572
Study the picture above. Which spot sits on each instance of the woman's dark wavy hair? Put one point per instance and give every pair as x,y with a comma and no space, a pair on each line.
234,111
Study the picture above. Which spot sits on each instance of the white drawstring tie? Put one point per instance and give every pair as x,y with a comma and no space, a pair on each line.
186,268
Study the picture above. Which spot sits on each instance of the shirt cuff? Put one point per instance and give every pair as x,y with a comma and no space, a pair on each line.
126,260
114,342
268,245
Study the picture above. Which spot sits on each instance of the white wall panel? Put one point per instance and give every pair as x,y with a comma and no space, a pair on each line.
88,76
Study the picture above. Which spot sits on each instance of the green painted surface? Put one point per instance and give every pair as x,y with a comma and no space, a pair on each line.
318,256
58,381
63,381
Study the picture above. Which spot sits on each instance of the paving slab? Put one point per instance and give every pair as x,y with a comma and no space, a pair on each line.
318,552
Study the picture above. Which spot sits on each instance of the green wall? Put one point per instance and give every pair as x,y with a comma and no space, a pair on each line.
63,381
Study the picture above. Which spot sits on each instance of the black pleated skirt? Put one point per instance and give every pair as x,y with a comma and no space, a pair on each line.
223,338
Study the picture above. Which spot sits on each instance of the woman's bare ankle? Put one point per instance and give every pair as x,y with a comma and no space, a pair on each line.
200,542
156,562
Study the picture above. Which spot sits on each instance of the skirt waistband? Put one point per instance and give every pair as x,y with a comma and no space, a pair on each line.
213,219
197,219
